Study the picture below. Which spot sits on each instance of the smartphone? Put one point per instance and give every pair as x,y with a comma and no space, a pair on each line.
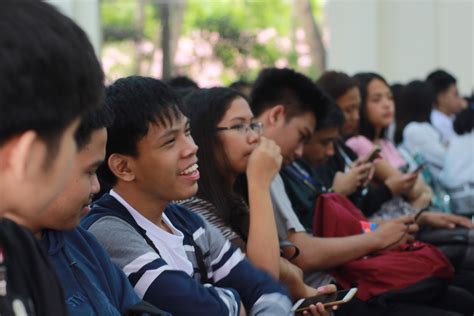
419,168
328,300
374,153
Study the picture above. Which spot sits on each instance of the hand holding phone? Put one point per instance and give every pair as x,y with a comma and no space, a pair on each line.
374,154
419,168
328,300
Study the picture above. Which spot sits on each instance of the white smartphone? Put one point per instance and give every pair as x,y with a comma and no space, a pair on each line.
328,300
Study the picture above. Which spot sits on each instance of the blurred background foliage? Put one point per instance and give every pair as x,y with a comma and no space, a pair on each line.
217,41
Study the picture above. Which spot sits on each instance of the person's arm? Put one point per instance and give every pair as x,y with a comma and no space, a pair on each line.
154,280
325,253
124,296
398,183
260,294
444,220
262,241
424,139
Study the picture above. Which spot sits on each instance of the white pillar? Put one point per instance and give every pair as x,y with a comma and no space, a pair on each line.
402,39
86,13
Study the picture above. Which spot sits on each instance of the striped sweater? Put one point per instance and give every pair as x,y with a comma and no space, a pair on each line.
230,278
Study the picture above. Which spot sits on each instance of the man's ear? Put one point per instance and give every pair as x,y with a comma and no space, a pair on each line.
276,116
120,167
22,153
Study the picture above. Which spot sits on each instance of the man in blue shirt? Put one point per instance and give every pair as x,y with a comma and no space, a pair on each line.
92,284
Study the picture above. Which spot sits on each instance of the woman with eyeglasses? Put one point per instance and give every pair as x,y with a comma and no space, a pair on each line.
237,166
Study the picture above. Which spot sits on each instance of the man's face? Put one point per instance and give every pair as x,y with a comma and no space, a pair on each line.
450,101
65,212
291,135
29,194
166,166
321,146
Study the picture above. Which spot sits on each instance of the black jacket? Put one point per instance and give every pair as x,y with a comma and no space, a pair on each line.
29,275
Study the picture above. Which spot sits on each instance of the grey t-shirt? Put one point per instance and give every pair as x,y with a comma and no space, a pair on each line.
286,220
285,216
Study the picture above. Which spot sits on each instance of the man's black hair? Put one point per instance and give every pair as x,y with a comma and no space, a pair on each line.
137,102
415,105
92,121
336,83
296,92
49,74
182,82
240,84
464,122
440,80
334,118
182,85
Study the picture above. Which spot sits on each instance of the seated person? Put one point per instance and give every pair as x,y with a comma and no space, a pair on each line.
414,129
447,103
289,104
92,284
376,114
348,167
458,171
50,77
230,147
173,258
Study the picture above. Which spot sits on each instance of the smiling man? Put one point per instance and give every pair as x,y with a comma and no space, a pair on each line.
173,258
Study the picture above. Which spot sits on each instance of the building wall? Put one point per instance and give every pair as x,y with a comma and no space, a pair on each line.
402,39
86,13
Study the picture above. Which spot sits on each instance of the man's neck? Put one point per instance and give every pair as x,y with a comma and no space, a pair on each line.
150,207
444,110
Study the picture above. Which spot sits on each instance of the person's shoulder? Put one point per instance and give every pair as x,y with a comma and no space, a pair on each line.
185,215
358,140
80,235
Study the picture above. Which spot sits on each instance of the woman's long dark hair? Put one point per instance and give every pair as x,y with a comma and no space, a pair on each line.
416,103
365,127
205,108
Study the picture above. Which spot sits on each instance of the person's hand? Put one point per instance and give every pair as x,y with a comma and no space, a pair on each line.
347,183
392,233
264,162
402,183
318,309
409,221
443,220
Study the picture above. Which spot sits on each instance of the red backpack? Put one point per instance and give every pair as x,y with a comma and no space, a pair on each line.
382,271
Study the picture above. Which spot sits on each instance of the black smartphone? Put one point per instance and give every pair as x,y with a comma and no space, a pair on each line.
419,168
328,300
374,153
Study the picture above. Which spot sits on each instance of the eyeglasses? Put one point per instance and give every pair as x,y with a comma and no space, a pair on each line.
256,127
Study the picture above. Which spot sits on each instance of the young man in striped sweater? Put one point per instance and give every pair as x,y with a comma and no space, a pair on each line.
172,257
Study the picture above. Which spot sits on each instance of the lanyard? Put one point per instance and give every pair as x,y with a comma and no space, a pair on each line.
303,175
347,160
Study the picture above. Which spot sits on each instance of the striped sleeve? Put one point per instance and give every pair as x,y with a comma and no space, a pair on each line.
208,211
154,280
260,294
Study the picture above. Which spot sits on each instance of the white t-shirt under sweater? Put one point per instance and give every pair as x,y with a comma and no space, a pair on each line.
170,245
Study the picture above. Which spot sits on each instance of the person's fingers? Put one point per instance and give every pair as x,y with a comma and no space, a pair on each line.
461,221
326,289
